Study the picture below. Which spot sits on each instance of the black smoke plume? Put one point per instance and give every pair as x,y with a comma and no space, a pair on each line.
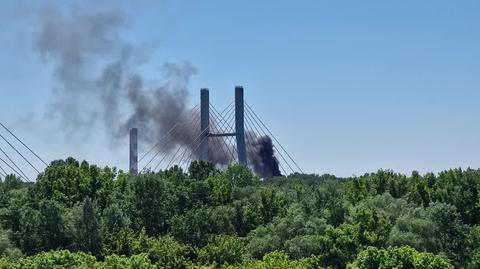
261,155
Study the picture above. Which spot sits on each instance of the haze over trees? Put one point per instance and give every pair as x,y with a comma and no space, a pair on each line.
78,215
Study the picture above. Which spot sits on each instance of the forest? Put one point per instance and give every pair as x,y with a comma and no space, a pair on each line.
79,215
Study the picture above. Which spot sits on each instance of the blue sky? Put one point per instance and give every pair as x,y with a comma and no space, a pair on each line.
348,87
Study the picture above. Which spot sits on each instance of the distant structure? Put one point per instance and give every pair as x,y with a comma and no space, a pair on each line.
204,124
133,151
234,135
240,125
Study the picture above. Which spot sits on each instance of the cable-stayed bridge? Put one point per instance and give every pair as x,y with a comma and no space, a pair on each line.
16,158
234,134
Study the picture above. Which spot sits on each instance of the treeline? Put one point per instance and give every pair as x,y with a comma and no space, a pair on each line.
79,215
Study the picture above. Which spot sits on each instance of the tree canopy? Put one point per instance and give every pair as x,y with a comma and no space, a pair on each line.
79,215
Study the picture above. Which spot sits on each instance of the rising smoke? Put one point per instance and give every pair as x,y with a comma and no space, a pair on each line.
261,155
97,83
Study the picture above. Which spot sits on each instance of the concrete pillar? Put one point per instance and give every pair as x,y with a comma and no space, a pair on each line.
240,125
204,123
134,151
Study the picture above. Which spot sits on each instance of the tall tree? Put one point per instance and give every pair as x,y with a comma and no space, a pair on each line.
88,232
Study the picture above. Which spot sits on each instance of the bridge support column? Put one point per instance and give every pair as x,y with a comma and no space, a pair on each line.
133,151
240,125
204,124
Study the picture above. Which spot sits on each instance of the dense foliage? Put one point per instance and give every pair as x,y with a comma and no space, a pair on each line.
78,215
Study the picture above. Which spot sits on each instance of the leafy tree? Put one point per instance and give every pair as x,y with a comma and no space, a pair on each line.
197,225
220,189
29,234
473,247
53,231
303,246
389,206
7,248
263,241
461,189
140,261
152,204
328,200
436,229
164,251
251,216
240,175
222,250
56,260
69,182
373,226
87,230
201,170
416,229
339,245
5,263
288,233
65,260
452,232
11,182
278,260
114,220
402,257
270,205
120,242
11,214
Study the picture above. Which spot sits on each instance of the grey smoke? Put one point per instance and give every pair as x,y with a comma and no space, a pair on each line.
74,46
97,83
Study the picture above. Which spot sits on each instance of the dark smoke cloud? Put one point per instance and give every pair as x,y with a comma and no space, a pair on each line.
97,84
96,81
74,47
261,155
